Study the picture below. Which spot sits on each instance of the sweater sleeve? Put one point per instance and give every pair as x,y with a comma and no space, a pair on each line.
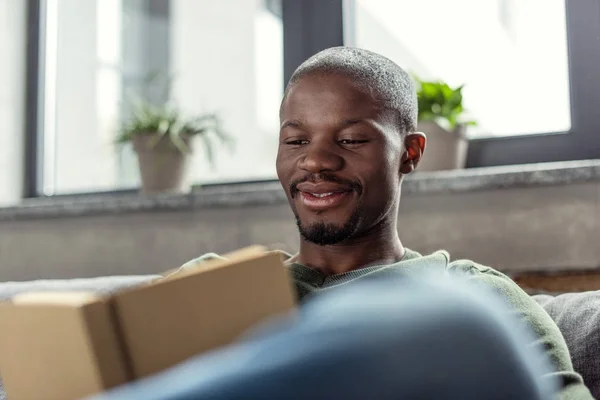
528,310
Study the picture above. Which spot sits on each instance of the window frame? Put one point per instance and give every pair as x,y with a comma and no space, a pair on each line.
34,86
313,25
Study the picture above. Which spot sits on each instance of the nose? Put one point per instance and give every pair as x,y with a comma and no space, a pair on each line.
320,157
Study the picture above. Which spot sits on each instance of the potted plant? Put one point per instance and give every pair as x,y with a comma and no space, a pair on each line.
442,118
162,139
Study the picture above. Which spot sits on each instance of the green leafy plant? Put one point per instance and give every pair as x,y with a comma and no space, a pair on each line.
440,103
167,122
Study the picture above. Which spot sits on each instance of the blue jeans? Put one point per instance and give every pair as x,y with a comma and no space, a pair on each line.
398,338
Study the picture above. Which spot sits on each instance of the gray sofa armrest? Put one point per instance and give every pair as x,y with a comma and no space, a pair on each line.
578,318
100,285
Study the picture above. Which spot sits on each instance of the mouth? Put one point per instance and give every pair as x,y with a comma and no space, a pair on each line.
321,201
325,194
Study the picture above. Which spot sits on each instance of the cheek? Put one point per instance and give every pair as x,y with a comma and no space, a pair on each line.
284,167
389,163
393,157
279,165
385,177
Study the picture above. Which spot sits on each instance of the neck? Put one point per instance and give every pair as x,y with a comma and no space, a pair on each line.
381,245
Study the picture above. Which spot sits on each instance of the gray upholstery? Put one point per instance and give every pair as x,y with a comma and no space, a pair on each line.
101,285
576,314
578,317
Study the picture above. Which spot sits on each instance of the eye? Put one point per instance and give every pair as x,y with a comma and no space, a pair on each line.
350,142
296,142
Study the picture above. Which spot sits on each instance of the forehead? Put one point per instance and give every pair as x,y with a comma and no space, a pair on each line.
329,96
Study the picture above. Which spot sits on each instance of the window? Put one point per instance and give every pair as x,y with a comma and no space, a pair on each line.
224,56
530,68
514,71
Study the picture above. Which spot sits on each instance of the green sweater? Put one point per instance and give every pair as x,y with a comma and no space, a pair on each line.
311,282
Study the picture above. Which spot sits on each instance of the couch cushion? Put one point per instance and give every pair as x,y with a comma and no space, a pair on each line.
101,285
578,317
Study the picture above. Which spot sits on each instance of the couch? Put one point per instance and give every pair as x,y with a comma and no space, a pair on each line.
576,314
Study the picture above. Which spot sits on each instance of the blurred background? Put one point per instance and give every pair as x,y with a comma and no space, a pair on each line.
228,56
76,73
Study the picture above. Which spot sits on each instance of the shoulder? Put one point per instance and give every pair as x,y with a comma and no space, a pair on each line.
539,321
526,309
508,290
485,274
493,279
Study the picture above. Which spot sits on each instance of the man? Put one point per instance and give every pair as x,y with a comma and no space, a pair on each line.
348,137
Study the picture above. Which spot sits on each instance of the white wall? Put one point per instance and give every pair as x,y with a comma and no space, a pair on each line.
12,98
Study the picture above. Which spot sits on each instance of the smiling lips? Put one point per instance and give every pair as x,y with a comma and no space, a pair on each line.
322,196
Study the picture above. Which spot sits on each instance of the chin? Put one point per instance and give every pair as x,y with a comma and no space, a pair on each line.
326,230
323,217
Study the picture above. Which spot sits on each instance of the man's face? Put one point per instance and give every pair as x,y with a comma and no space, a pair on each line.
338,160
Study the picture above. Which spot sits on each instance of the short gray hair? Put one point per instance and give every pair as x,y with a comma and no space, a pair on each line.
393,85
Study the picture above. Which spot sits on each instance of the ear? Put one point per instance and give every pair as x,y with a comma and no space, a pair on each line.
414,143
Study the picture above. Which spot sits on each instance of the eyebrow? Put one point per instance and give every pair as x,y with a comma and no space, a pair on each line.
352,121
294,123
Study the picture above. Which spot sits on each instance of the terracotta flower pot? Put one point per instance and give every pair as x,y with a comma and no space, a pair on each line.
162,164
444,150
